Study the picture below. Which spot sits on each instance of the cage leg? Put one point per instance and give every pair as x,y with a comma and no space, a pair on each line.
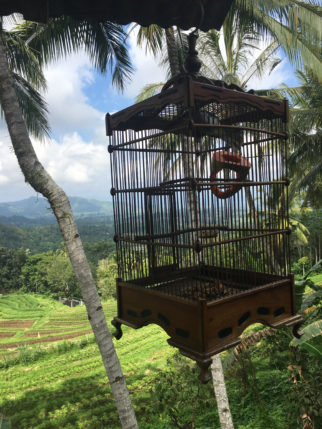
296,330
204,375
117,325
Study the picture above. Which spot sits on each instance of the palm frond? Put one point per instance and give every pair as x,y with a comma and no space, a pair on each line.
33,107
210,52
152,37
311,176
23,60
294,24
264,62
59,37
148,91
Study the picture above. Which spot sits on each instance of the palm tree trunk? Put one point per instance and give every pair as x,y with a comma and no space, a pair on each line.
192,201
218,379
191,195
41,181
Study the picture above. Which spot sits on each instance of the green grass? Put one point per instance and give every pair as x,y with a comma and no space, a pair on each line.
65,386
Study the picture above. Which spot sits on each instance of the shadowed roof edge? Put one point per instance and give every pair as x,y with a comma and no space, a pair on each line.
166,13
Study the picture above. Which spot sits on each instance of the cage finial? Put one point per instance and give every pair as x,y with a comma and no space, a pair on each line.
192,63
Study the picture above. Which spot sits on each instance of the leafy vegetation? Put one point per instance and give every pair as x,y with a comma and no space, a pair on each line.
11,263
52,384
51,272
48,237
106,274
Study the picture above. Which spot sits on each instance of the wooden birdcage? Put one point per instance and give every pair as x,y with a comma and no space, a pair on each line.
199,186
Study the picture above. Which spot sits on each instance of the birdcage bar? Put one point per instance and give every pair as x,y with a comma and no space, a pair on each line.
122,147
232,127
199,246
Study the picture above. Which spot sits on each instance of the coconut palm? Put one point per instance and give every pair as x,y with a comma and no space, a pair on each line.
104,42
28,80
32,45
61,41
294,24
234,56
305,129
305,160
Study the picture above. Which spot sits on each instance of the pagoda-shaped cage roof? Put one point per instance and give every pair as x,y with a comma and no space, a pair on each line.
173,108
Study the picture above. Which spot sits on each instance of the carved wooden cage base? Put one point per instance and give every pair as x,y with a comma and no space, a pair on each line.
220,304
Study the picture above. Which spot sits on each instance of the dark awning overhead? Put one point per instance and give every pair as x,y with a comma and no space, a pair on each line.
183,13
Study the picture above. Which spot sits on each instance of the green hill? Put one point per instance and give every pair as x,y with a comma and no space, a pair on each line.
35,208
30,223
48,237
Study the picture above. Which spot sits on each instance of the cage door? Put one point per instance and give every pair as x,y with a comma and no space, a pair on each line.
160,210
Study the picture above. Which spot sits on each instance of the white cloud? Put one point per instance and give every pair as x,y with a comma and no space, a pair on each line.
12,183
147,68
77,173
81,168
69,109
3,179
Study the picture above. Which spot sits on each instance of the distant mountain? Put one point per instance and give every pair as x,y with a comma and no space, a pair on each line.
31,224
37,210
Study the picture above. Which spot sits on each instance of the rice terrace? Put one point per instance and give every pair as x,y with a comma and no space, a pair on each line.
59,380
48,379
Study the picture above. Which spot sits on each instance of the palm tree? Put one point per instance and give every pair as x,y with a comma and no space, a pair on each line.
305,129
294,24
233,55
305,160
64,40
28,80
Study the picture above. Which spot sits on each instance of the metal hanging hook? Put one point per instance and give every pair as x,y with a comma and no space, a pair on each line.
193,63
202,17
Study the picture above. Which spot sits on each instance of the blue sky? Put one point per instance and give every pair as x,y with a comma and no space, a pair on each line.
78,98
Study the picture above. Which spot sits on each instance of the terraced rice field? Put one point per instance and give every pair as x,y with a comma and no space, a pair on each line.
60,382
67,387
34,319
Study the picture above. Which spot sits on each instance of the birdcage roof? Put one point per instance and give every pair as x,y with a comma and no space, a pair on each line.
188,92
166,13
